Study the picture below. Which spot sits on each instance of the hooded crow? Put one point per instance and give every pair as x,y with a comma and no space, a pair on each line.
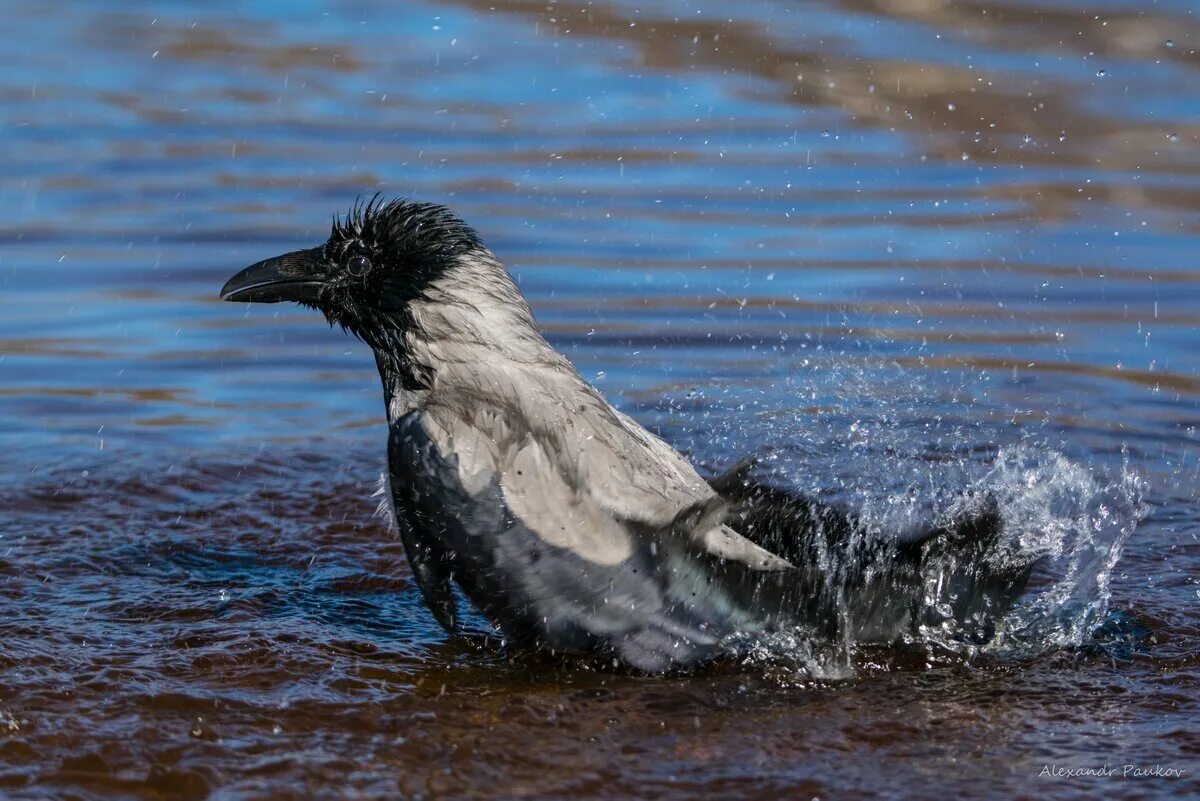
565,522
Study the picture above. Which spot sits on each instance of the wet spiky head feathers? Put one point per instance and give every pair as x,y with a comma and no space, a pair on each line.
384,254
423,237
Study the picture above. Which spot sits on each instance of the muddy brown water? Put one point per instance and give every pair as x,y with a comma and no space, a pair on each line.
895,246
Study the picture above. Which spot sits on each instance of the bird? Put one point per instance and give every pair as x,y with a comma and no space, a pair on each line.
568,525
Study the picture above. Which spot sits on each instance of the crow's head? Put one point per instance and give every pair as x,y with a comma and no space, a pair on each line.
378,259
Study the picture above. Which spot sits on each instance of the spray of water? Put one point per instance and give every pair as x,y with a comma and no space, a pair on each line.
1076,520
923,457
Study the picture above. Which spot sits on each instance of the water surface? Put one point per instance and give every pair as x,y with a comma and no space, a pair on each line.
897,249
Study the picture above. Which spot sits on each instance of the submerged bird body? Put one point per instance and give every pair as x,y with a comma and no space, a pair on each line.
562,520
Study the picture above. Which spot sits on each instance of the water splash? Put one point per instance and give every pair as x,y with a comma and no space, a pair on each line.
1066,521
921,458
1077,520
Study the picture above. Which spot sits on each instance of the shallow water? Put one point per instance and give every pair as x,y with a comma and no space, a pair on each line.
897,249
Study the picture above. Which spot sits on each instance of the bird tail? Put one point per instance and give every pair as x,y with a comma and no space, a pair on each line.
958,577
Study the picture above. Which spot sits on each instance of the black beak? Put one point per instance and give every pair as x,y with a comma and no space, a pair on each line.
293,276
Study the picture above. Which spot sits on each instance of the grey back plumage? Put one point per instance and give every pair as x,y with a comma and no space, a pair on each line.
562,519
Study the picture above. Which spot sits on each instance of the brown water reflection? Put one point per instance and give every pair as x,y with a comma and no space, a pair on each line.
955,109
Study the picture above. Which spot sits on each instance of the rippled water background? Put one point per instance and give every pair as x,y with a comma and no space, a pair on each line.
885,244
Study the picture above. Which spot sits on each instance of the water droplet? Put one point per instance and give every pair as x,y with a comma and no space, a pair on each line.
1101,73
951,106
825,134
965,157
1170,43
1172,137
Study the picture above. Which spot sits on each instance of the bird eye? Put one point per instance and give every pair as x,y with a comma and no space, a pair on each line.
358,266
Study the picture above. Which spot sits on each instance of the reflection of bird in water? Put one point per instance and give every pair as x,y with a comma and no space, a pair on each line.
565,522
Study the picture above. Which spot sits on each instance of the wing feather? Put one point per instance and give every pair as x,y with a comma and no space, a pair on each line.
553,563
